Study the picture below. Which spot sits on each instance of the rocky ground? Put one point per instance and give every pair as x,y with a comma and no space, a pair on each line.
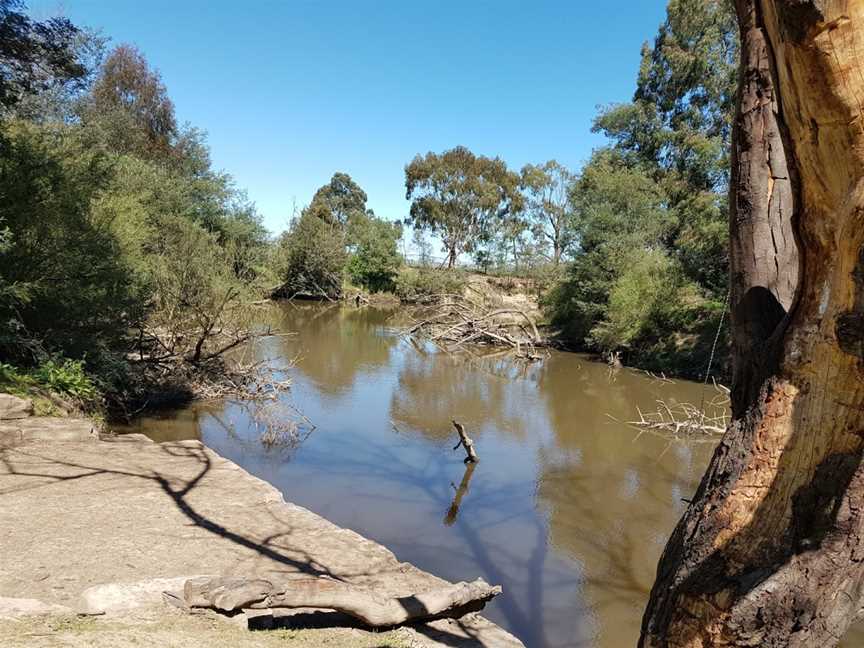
93,529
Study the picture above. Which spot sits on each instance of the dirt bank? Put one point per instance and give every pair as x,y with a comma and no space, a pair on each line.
104,525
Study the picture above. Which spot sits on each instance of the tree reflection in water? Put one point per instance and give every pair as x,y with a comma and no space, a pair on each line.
566,509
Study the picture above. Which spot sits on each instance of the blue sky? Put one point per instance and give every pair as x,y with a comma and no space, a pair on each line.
292,91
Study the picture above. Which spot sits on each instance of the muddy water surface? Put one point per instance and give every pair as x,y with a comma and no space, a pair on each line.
568,509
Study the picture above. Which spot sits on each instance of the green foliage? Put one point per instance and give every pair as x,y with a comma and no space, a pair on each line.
66,376
339,201
71,284
547,188
35,57
310,257
375,259
461,196
417,284
649,218
678,128
116,235
58,375
196,297
13,381
130,107
647,296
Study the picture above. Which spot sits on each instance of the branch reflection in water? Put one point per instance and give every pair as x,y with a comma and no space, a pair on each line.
568,509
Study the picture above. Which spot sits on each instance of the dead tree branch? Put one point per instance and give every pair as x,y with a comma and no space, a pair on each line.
233,594
455,321
686,419
466,442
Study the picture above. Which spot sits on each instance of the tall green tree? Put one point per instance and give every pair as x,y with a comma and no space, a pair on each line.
35,56
650,211
678,128
375,260
339,201
130,105
310,257
72,289
547,188
618,216
459,195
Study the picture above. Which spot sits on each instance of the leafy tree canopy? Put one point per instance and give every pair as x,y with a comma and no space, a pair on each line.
130,105
547,187
339,201
35,56
375,261
457,195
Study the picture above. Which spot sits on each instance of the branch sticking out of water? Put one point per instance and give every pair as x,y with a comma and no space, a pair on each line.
466,442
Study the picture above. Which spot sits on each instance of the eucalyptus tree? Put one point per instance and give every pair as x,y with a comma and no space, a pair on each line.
339,201
547,187
460,196
769,550
678,128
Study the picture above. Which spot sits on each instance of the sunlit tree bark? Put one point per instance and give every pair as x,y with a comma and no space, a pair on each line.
771,550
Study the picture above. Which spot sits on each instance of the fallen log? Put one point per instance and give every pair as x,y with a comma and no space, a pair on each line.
466,442
230,594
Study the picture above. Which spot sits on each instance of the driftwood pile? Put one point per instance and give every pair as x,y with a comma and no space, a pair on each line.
227,594
455,321
687,419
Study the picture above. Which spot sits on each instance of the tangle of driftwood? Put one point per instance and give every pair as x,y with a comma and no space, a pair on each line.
456,321
687,419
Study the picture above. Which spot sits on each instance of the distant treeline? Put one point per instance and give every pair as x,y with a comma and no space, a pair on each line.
631,249
126,259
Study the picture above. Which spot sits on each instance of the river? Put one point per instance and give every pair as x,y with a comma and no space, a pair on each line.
568,508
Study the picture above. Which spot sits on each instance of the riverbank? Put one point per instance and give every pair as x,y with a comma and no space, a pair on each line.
103,525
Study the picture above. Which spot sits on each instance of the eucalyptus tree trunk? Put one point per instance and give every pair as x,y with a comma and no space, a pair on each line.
771,550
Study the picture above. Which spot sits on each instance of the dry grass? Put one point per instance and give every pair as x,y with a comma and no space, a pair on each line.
171,630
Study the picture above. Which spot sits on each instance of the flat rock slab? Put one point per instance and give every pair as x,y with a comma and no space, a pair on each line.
46,428
94,525
12,407
15,608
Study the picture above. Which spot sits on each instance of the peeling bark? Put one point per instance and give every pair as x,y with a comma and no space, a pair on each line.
771,550
763,251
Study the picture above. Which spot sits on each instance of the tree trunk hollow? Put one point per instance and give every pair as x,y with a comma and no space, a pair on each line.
770,552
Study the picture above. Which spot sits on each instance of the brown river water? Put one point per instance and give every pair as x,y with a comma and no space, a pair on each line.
568,508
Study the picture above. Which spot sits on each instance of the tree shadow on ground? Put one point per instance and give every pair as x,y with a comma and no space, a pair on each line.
53,470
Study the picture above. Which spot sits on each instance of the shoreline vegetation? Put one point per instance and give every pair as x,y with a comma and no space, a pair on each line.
129,266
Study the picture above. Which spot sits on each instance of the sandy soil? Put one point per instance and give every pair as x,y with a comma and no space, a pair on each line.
105,525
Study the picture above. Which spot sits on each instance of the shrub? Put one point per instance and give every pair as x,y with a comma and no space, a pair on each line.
645,299
66,281
375,261
310,257
58,374
414,284
66,376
